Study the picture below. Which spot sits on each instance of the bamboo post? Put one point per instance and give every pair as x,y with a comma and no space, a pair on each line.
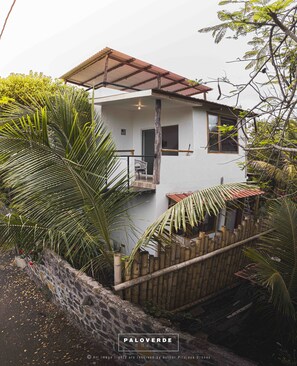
175,289
235,238
117,269
144,269
214,270
206,266
159,250
184,278
195,279
227,241
150,282
248,227
161,279
127,278
118,272
195,282
235,265
199,248
211,268
244,228
135,274
170,276
218,240
239,255
201,270
191,279
224,279
238,231
219,264
226,265
156,280
224,235
180,283
166,277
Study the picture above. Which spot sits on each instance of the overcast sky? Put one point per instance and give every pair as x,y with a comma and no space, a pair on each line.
54,36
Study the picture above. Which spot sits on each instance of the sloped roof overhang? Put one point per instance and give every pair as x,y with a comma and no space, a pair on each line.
177,197
116,70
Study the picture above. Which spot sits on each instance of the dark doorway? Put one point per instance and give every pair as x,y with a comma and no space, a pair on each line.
148,147
169,142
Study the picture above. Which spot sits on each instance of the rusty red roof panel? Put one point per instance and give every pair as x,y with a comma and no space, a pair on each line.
248,273
114,69
247,193
177,197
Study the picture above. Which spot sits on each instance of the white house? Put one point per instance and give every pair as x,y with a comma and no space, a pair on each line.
169,140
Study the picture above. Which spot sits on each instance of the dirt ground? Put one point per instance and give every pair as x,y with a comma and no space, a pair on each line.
33,331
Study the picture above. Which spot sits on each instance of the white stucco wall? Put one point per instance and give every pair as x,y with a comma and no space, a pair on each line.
186,172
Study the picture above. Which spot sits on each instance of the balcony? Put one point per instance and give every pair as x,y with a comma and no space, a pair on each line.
140,167
139,176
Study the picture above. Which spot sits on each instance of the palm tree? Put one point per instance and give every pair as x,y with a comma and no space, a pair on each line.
282,176
275,258
60,165
275,170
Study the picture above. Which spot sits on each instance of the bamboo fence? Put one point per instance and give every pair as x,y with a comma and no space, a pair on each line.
181,275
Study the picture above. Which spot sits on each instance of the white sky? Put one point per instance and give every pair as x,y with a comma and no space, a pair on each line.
53,36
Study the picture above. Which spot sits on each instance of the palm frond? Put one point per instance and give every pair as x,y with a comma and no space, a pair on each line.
190,211
276,256
64,177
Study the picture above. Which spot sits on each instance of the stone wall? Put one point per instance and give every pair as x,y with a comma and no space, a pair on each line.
103,315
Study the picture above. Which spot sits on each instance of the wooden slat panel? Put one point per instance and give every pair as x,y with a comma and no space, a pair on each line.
200,278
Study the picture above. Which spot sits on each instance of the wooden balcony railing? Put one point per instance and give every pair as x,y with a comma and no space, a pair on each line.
177,151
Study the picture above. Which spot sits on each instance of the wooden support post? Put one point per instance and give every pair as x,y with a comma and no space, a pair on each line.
159,82
105,70
158,142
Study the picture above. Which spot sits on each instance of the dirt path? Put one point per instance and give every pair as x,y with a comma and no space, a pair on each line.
33,331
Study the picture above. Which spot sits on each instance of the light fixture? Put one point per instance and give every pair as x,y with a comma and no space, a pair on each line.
139,105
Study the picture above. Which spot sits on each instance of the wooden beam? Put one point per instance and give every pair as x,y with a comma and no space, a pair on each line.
180,81
177,150
148,80
158,143
109,70
131,74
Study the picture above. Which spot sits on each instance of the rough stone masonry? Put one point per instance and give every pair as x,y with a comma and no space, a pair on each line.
105,316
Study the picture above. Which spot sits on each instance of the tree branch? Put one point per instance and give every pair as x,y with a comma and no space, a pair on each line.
281,25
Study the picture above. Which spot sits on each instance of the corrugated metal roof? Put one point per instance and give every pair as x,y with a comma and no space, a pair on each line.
114,69
177,197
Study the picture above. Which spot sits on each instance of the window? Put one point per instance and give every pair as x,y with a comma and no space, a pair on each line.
208,226
221,141
170,139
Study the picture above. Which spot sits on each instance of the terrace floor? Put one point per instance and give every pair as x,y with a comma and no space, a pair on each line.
144,183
